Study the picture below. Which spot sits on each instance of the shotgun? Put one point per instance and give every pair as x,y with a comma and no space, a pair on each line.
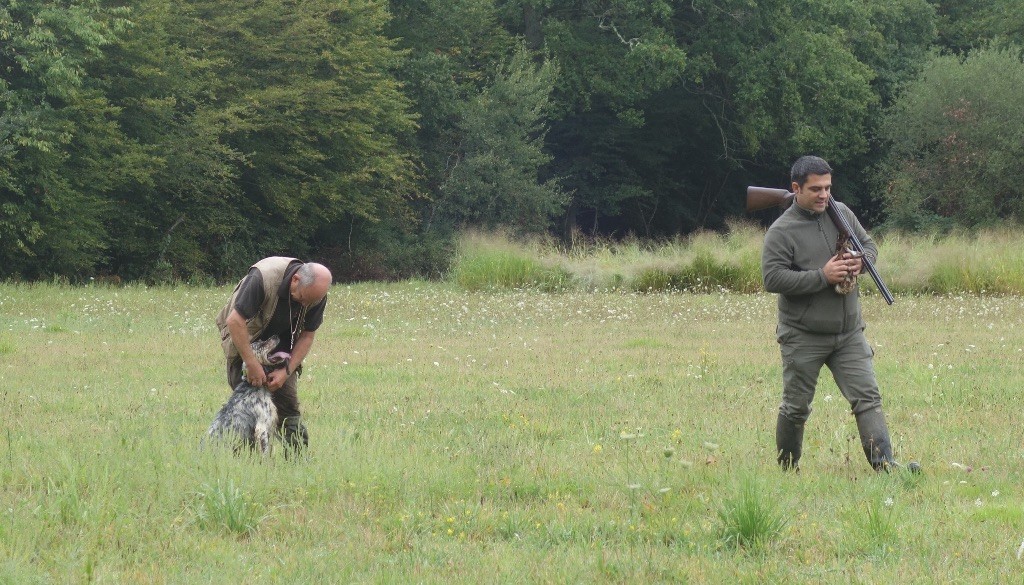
759,198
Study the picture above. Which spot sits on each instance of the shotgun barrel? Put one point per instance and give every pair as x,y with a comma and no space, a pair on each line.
844,226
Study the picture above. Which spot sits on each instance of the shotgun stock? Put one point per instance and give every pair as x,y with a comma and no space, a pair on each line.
759,198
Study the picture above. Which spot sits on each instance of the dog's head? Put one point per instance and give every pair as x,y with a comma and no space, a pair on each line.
270,361
263,348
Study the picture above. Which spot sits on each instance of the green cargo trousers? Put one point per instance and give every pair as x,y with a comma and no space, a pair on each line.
847,355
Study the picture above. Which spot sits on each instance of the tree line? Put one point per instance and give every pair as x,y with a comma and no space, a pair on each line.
182,139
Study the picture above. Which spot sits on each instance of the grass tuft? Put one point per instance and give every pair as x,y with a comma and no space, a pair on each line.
750,519
224,506
873,529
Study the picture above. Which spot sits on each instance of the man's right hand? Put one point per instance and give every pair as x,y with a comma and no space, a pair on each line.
837,269
255,374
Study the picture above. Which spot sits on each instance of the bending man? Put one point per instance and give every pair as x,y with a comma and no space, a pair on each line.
284,297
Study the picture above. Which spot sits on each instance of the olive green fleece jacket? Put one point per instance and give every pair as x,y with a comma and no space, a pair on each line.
796,248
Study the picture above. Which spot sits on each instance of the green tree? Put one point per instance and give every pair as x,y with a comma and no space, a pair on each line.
59,151
494,179
613,56
964,26
178,214
483,108
665,109
957,136
260,128
307,97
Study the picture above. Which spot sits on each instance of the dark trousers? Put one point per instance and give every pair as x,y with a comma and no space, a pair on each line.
847,355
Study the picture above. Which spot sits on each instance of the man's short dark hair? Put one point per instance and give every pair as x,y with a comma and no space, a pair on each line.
806,166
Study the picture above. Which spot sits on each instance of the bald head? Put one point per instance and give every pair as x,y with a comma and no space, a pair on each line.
310,283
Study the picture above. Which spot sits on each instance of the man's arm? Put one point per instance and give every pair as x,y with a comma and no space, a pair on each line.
302,345
240,337
780,276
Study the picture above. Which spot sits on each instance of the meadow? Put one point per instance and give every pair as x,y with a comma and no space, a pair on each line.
503,436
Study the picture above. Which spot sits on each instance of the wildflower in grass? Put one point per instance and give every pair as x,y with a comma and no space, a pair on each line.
598,448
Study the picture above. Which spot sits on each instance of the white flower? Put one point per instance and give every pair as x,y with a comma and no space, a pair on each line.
888,502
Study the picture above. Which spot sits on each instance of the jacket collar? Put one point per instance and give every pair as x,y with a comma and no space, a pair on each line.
806,213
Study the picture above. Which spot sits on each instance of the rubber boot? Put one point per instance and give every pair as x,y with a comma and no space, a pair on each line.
295,435
874,438
789,440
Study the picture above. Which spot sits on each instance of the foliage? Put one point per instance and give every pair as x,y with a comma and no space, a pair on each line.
612,57
170,141
493,179
956,134
58,150
966,27
484,106
203,135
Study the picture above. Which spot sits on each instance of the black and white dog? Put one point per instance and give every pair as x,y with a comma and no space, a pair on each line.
249,417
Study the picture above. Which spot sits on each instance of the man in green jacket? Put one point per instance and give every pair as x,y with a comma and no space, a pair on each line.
284,297
818,325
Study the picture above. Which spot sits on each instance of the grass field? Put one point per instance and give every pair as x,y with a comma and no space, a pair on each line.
503,437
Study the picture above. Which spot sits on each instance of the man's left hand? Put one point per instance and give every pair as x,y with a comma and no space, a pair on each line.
276,379
854,262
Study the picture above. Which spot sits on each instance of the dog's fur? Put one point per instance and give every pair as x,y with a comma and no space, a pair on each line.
249,418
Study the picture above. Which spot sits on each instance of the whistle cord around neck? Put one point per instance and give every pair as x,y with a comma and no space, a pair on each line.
296,326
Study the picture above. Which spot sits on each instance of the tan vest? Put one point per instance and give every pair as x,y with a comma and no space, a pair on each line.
273,270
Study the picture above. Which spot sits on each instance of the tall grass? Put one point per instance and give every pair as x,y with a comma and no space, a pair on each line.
494,262
989,262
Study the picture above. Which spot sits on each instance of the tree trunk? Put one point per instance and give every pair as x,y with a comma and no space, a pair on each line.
531,24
